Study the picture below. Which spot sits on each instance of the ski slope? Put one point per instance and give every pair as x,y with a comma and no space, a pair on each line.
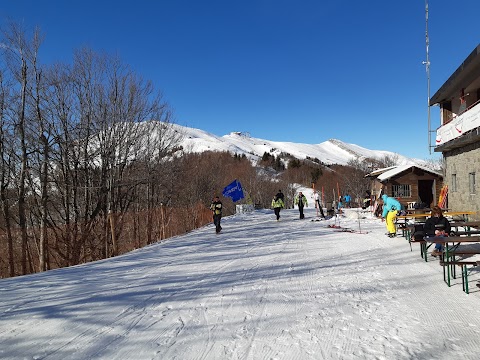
262,289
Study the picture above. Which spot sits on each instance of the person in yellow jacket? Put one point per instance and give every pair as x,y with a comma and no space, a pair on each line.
216,207
391,207
277,205
301,201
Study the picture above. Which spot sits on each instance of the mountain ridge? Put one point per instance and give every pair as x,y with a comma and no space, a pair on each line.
329,152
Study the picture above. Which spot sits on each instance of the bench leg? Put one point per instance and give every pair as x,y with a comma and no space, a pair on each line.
465,278
449,275
442,261
423,251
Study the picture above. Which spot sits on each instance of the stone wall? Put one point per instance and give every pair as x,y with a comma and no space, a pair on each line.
461,162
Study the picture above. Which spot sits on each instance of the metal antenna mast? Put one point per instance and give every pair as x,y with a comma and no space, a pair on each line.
427,68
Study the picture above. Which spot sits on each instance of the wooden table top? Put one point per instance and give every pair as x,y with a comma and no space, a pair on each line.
465,224
451,239
451,213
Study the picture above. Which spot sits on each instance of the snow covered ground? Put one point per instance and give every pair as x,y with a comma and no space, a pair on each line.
262,289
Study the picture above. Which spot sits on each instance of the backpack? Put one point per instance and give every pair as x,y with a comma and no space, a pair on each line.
418,232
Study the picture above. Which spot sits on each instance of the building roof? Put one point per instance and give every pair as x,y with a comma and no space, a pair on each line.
377,172
402,168
467,77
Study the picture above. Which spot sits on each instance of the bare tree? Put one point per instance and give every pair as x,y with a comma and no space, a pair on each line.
21,54
389,160
355,181
6,167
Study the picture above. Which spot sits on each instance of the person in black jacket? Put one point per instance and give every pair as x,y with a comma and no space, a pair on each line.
280,195
437,225
216,207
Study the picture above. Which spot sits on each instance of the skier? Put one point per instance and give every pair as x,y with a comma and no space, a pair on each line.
339,205
301,201
318,206
331,208
277,205
280,196
216,207
391,207
366,200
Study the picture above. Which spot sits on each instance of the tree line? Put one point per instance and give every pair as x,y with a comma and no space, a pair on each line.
68,135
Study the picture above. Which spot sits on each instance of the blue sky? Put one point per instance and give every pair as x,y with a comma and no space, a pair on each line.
283,70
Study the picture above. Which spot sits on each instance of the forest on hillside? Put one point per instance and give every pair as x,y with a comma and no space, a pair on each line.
90,166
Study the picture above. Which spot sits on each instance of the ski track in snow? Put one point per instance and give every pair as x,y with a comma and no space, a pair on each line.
261,289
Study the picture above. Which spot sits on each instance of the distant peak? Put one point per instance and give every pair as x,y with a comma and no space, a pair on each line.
240,133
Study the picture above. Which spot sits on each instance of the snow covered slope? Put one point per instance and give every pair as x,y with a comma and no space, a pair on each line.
261,289
329,152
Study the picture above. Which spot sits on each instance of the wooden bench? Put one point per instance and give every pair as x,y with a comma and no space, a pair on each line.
422,217
423,247
463,265
407,228
466,232
465,224
451,246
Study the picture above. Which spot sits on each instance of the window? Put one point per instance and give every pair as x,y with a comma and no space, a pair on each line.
471,182
401,191
454,182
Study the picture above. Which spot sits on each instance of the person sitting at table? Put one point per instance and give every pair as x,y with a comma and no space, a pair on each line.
437,225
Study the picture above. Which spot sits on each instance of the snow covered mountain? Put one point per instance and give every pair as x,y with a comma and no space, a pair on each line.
332,151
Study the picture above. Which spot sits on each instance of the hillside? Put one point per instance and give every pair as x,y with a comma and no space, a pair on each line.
329,152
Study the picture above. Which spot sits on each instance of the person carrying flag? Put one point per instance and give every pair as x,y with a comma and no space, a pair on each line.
216,207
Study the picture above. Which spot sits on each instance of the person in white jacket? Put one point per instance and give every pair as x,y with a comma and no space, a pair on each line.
318,205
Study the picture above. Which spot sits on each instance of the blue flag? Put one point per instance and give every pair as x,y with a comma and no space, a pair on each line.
234,191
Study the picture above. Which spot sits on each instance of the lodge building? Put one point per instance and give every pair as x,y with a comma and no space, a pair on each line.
458,137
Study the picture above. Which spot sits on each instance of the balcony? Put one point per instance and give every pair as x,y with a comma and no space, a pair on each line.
458,132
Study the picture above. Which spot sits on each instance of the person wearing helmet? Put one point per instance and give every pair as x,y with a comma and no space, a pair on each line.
391,207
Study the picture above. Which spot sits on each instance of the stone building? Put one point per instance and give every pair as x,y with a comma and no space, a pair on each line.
458,137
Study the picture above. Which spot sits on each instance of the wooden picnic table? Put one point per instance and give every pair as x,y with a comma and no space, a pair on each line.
466,225
464,214
450,251
469,228
423,211
421,218
418,211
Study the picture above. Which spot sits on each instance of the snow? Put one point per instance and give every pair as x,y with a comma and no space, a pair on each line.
261,289
399,169
332,151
